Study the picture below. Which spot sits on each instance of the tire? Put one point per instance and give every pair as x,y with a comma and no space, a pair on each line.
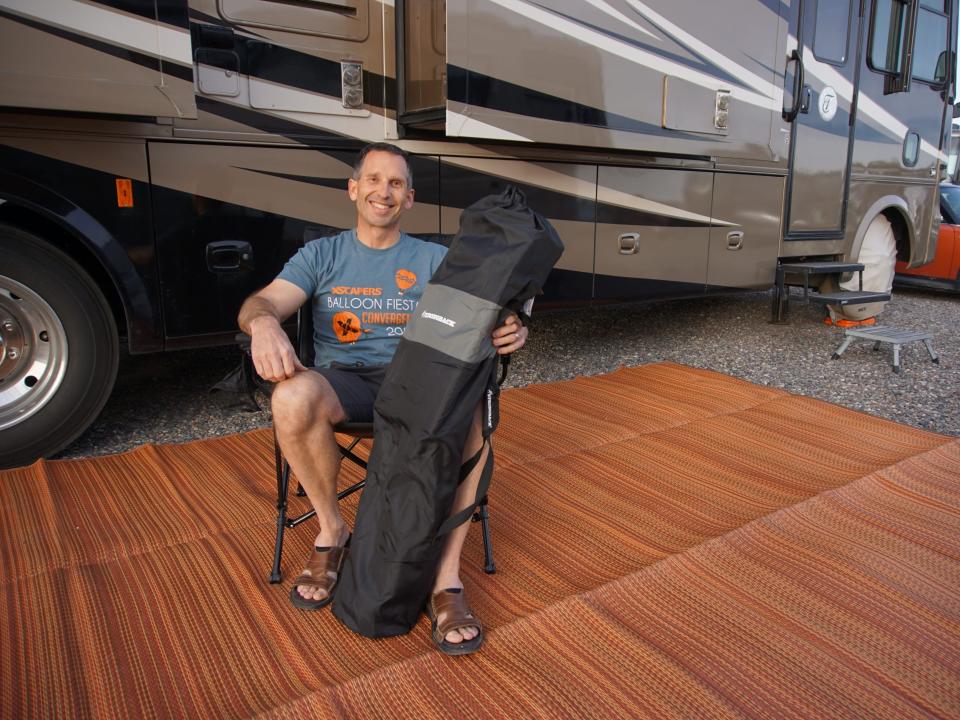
58,349
878,253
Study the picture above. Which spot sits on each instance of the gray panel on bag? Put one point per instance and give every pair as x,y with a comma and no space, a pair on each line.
456,323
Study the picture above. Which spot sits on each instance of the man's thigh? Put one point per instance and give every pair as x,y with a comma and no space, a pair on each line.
356,388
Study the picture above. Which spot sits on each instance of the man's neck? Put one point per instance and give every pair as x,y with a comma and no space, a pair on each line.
378,238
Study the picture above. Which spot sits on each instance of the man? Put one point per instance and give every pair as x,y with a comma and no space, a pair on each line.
365,283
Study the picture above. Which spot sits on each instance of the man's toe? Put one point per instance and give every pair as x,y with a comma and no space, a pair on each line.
462,635
310,593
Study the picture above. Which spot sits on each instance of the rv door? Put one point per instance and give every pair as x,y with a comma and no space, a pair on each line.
824,67
113,58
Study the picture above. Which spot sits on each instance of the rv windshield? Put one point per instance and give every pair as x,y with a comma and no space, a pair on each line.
950,202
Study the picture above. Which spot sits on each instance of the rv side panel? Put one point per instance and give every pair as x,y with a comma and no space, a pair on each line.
97,58
73,183
666,76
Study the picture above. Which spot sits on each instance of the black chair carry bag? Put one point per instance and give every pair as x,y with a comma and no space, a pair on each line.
444,366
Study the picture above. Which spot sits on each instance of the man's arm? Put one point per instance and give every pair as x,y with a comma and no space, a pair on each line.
260,316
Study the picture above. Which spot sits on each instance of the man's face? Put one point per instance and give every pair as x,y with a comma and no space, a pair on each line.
382,193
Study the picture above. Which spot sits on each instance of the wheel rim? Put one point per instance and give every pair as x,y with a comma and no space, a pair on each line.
33,352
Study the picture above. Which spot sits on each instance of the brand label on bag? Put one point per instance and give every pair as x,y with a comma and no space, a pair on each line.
439,318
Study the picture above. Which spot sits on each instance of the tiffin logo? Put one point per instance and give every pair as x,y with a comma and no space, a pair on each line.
346,326
405,279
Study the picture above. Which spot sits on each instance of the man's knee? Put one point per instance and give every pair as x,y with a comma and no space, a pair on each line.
302,402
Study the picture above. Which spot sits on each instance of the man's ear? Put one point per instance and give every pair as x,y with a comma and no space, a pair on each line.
408,201
352,189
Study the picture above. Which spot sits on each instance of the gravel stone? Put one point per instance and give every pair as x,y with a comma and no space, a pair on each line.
166,398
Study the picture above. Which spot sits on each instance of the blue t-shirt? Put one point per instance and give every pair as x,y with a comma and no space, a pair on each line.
362,298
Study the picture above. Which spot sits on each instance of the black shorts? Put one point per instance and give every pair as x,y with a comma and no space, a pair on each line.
356,386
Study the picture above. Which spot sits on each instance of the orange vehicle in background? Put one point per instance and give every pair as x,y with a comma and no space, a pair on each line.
943,273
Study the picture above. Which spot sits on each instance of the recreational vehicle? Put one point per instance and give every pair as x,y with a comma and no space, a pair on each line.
160,159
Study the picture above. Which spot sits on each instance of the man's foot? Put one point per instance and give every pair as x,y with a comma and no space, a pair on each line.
313,588
456,630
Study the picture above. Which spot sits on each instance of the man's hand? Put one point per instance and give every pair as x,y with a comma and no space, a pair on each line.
271,350
260,316
510,336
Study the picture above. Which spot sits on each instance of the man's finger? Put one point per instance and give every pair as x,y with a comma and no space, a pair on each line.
289,364
508,328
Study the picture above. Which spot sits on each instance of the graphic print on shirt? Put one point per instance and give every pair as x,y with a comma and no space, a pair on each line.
346,326
405,279
362,310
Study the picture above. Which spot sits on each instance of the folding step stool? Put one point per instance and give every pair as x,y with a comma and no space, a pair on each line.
882,334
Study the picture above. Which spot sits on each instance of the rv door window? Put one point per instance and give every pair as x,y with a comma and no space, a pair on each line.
831,30
887,35
930,48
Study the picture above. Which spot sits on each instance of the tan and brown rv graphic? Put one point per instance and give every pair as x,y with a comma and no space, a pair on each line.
161,160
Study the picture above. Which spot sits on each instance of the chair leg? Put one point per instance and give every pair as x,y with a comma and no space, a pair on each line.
483,517
283,482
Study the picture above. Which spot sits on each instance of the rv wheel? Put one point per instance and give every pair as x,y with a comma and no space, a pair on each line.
878,253
58,349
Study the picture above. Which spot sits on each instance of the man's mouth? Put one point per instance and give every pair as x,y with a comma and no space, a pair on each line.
379,205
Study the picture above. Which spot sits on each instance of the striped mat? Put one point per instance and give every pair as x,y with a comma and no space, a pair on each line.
670,542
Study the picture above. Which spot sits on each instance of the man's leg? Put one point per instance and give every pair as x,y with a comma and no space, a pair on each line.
448,575
305,409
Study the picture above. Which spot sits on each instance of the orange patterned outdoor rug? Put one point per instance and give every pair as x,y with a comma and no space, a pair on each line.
670,543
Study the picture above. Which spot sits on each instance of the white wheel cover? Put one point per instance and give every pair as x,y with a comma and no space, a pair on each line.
878,253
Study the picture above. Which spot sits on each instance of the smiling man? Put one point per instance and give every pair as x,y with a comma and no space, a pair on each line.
364,283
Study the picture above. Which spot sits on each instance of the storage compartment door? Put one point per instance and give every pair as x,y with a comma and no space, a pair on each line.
653,227
91,57
745,235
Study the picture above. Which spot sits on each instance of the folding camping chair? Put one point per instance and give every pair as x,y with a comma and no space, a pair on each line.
357,432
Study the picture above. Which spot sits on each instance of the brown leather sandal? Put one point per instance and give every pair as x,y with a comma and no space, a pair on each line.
323,572
448,611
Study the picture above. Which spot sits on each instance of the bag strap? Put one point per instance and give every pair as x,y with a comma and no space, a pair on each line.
482,487
490,417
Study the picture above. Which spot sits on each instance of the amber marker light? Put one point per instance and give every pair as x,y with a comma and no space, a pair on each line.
124,192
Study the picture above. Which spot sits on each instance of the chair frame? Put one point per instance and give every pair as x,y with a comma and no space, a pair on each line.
357,432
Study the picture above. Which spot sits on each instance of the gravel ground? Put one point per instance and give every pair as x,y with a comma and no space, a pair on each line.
165,398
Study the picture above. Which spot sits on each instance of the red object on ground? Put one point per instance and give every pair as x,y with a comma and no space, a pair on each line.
850,323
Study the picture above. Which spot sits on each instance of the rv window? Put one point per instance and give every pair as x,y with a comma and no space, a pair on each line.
930,48
911,149
886,35
340,19
938,5
830,32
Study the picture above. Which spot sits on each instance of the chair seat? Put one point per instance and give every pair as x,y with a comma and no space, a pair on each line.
355,429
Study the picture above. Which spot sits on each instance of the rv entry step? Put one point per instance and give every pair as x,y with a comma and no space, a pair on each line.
848,297
781,296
